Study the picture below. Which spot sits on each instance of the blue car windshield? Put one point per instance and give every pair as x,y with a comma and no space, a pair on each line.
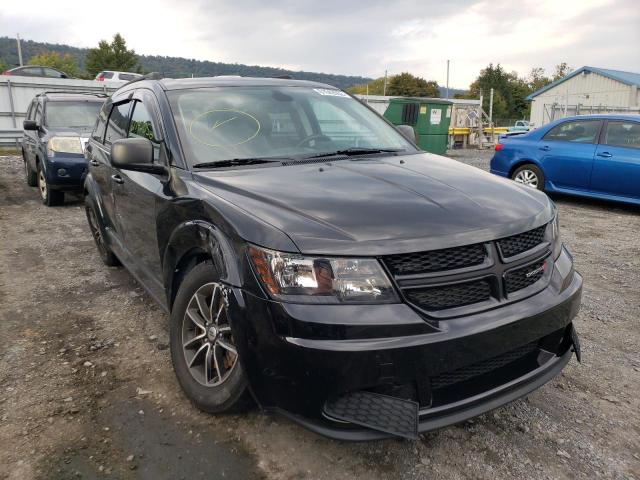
225,123
70,114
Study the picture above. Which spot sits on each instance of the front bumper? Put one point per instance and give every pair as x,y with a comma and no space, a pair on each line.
300,357
66,171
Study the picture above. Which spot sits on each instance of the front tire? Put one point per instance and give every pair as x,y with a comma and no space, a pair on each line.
529,175
107,256
49,197
203,351
30,176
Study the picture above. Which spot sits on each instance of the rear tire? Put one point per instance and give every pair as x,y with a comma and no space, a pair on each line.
202,344
49,197
30,176
529,175
97,232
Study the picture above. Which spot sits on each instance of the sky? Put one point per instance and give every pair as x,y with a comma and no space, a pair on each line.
351,37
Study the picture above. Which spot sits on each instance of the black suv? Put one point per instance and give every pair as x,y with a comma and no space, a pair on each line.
311,257
55,132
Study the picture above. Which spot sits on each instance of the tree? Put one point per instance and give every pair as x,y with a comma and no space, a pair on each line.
509,92
562,70
67,63
537,79
407,85
3,66
376,87
111,56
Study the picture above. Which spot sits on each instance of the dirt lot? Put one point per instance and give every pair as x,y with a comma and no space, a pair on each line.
87,389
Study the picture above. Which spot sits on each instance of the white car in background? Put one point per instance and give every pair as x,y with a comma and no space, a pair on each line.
112,76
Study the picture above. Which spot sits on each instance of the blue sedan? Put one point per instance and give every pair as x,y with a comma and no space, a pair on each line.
589,155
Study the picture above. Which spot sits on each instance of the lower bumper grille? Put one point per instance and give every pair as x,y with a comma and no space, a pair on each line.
480,368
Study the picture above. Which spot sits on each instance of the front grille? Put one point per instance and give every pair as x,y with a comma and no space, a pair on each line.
467,275
480,368
517,279
522,242
450,296
436,260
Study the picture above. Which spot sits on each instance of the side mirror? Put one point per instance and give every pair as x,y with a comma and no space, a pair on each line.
135,154
30,125
407,132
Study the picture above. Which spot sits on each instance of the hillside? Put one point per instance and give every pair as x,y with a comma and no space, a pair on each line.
175,67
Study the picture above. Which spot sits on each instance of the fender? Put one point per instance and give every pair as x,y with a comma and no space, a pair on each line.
194,240
90,191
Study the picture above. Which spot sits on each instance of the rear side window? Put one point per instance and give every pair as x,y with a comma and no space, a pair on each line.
118,123
623,134
30,71
579,131
126,76
50,72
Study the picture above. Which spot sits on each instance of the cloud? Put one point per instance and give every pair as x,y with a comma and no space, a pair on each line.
354,37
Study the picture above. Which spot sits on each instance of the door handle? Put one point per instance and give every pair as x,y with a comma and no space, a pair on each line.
604,154
117,178
546,148
94,162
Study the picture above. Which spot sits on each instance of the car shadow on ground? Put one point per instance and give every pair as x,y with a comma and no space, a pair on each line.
587,202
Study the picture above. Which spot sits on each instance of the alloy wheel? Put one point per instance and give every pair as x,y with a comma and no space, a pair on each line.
207,343
527,177
42,184
95,229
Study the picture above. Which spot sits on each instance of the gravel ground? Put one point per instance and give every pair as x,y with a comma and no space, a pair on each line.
87,389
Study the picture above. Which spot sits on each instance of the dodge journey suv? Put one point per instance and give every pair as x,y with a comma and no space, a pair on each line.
312,259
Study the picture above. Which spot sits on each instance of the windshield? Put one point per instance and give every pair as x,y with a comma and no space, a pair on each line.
225,123
68,114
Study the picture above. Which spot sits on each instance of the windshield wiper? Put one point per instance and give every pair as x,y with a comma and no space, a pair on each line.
236,162
357,151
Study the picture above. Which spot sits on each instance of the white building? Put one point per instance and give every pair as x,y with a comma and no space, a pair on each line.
584,91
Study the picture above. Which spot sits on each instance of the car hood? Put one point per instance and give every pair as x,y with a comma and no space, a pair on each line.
375,206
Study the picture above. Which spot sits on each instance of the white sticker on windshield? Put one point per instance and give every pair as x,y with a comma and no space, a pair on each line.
330,92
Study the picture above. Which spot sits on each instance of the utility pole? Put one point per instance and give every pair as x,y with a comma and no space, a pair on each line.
491,107
447,79
384,87
19,49
491,116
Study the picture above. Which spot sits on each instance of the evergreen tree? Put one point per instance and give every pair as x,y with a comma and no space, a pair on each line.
111,56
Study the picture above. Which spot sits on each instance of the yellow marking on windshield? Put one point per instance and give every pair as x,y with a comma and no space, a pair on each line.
218,123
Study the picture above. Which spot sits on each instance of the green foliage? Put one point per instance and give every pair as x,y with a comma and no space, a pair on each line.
111,56
403,85
67,63
407,85
3,65
173,67
562,70
376,87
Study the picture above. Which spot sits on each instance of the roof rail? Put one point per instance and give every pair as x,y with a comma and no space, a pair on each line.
74,92
148,76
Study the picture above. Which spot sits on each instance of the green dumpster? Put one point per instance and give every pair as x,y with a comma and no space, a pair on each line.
429,117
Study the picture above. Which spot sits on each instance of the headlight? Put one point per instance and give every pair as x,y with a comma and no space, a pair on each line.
296,278
557,240
64,145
